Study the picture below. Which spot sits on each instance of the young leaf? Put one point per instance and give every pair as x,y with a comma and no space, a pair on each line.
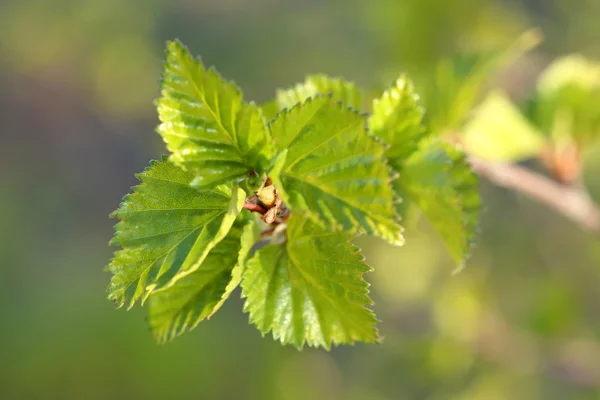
440,182
341,90
166,230
498,131
250,235
397,119
334,172
181,307
459,81
206,125
270,109
433,175
566,102
466,183
311,289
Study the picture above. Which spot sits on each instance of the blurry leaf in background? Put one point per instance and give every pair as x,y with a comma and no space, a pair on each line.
574,69
498,131
566,103
459,81
310,290
416,33
327,147
341,90
185,225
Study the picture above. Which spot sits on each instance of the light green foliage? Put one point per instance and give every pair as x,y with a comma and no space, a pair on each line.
397,119
341,90
250,235
167,228
311,289
205,123
499,131
566,103
181,307
459,81
270,109
466,183
562,112
334,172
432,174
440,182
573,69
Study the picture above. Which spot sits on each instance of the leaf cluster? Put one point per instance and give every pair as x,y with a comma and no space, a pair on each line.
555,124
269,198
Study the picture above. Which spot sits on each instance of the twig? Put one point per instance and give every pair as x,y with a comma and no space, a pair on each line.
255,207
572,201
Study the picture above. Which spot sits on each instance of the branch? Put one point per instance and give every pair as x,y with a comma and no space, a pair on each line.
571,201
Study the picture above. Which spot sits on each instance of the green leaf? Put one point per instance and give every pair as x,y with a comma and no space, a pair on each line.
397,119
181,307
166,230
459,81
341,90
438,179
566,103
432,174
311,289
573,69
498,131
334,172
250,235
206,125
270,109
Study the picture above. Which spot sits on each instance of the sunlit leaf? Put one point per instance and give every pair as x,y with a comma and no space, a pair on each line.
397,119
573,69
499,131
566,103
432,174
459,81
270,109
182,306
333,171
206,125
250,235
341,90
310,290
166,230
438,179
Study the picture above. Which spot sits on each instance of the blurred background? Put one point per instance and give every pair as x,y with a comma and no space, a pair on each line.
77,80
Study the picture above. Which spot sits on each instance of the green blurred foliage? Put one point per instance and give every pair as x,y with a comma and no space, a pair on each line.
77,77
